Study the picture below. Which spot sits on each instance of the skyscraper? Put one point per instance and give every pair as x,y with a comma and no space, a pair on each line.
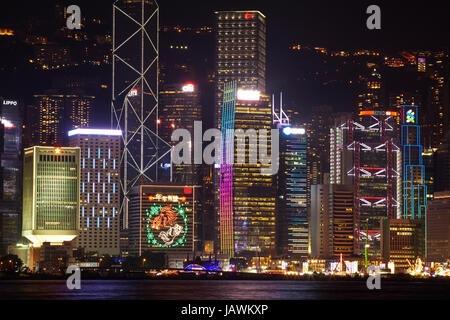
442,167
402,241
240,53
292,211
247,196
332,221
135,87
51,194
370,94
413,170
438,227
365,153
10,172
58,113
179,109
164,218
100,193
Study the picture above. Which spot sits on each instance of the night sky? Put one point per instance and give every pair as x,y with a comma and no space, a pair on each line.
339,24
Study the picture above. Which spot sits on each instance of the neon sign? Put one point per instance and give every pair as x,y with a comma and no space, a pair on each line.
133,93
410,116
189,87
9,103
167,226
166,198
378,113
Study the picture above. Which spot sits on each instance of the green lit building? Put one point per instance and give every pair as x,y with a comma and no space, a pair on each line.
51,194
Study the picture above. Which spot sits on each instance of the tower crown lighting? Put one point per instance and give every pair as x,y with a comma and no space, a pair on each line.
248,95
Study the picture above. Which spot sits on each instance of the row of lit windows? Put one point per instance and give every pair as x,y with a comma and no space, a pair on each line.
56,158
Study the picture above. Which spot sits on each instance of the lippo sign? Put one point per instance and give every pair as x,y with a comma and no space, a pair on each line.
10,102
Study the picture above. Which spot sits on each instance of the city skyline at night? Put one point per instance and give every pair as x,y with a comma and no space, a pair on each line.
144,140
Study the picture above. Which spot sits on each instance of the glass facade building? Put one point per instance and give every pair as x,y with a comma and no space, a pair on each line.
365,153
247,196
240,52
292,209
51,194
10,172
179,109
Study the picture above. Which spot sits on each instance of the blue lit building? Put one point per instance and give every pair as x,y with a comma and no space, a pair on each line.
413,168
292,211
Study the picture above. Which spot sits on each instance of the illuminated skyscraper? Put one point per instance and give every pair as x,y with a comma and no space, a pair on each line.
179,109
135,87
240,52
51,194
413,170
10,172
57,113
100,193
365,153
164,218
247,197
402,241
332,221
292,211
370,92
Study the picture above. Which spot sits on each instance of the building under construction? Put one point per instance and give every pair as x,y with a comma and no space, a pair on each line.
364,151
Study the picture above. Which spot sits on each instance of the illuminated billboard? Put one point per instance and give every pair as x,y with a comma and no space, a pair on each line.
162,217
378,113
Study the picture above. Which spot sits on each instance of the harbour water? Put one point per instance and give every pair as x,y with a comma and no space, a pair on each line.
220,290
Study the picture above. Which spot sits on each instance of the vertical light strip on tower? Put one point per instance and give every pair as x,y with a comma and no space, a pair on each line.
135,93
226,169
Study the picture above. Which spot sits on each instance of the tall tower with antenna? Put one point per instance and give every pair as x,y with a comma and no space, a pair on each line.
134,107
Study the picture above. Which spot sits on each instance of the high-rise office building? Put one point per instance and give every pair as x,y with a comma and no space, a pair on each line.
179,109
240,53
442,167
370,95
438,227
292,211
402,241
413,170
435,122
365,153
164,218
247,196
58,113
317,130
135,86
100,189
332,221
51,194
10,172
